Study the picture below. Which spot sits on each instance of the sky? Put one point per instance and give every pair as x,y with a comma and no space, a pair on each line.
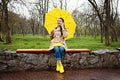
71,5
20,9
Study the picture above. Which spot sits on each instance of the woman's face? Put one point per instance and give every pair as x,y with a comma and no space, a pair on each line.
59,22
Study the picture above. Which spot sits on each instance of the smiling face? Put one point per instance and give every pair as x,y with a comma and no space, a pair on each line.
59,22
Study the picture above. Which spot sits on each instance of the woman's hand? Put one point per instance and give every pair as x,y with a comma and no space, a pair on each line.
62,26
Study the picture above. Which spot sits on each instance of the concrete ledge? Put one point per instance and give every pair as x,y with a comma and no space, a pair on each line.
49,51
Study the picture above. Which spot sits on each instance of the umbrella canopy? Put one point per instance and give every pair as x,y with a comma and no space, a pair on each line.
51,21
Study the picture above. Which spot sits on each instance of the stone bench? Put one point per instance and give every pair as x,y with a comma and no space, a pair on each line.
36,51
44,59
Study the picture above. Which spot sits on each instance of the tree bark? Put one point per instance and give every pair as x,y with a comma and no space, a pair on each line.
7,28
107,22
1,34
1,22
61,4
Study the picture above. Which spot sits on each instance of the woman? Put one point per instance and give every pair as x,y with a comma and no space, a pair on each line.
58,44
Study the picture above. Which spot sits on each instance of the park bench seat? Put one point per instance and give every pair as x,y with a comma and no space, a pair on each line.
49,51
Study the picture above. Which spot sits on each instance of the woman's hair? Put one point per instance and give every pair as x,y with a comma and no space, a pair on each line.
61,19
60,27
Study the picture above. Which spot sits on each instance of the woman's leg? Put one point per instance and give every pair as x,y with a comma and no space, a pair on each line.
57,52
59,66
58,57
62,51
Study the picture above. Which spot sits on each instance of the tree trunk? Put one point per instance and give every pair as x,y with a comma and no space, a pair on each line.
101,36
1,8
1,34
107,22
33,26
7,28
1,26
61,4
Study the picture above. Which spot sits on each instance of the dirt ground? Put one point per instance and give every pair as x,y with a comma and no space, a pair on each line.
85,74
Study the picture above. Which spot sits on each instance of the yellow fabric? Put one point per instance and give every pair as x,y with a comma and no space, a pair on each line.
57,44
57,67
61,68
51,21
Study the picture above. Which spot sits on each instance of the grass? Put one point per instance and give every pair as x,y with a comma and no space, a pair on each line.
39,42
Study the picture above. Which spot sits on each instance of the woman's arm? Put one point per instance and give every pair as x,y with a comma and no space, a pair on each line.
52,34
65,33
64,30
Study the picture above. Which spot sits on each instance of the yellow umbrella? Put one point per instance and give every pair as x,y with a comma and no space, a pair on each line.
51,21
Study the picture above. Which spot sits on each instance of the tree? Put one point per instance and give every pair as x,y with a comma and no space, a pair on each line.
7,28
79,22
113,20
105,17
1,19
62,4
41,8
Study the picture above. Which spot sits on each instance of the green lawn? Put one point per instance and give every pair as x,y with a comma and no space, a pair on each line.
38,42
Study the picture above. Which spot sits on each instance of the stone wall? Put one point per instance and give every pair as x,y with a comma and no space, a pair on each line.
12,61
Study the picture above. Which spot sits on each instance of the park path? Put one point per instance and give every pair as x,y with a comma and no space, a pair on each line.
85,74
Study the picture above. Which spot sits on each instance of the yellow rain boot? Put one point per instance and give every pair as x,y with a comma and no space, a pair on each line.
57,66
61,67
